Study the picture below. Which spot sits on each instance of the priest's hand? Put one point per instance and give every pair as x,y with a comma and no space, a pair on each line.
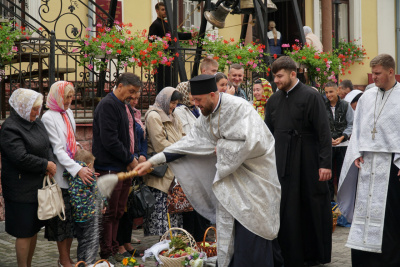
324,174
142,168
358,161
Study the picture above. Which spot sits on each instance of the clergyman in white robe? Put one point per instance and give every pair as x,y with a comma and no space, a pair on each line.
363,193
229,172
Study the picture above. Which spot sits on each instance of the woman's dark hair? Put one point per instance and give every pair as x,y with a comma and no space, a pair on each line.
219,76
355,99
176,96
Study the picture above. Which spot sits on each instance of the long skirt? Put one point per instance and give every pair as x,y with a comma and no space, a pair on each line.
57,229
157,222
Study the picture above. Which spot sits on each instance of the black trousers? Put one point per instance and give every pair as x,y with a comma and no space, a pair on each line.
338,154
124,230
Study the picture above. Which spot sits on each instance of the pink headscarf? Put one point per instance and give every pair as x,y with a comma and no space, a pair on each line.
55,102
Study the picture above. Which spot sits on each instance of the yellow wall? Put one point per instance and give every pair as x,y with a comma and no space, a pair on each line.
309,13
369,23
359,70
138,12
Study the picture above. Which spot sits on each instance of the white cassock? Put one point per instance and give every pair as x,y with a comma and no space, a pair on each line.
240,182
362,192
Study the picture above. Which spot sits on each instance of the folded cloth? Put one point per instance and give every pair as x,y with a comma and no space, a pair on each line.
155,250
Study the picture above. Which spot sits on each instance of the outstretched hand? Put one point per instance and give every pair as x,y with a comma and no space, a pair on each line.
142,168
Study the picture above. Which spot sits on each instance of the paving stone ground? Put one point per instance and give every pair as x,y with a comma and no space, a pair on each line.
46,253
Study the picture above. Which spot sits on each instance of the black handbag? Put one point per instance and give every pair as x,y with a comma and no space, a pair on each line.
141,201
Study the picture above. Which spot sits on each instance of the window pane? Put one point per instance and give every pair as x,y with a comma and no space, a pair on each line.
343,22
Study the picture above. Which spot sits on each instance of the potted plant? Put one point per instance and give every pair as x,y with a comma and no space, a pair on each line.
129,49
9,33
227,52
350,52
322,67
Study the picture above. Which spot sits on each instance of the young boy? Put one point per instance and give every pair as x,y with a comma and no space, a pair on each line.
340,116
85,202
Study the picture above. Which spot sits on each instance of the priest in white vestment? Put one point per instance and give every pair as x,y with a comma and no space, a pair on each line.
369,186
226,166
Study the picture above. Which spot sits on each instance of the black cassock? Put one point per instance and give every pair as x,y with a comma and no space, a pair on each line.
303,144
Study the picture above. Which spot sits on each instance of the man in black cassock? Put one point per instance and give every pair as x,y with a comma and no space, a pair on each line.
296,116
160,28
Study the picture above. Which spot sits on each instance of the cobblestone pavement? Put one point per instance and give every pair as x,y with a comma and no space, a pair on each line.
46,253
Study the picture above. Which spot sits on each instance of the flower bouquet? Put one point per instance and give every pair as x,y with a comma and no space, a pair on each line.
131,261
226,52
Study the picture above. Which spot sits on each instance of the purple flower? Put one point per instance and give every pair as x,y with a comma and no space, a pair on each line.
285,45
296,40
88,29
86,43
90,66
318,69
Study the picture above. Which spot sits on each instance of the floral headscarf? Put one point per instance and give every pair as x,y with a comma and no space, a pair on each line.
183,88
267,92
55,102
22,101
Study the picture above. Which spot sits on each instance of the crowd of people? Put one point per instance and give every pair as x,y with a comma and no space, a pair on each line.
265,173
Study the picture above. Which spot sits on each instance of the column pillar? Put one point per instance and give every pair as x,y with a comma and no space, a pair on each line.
326,7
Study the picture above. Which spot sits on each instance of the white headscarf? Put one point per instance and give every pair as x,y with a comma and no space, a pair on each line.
307,30
22,101
353,93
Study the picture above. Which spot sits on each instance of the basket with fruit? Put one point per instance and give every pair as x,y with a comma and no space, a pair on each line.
210,248
181,248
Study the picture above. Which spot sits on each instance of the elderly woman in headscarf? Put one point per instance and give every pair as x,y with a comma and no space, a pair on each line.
60,125
186,111
312,40
26,157
262,90
163,129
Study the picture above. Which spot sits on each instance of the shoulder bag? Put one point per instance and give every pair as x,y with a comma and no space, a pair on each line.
141,201
51,202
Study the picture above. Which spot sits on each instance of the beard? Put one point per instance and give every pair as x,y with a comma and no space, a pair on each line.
285,85
207,109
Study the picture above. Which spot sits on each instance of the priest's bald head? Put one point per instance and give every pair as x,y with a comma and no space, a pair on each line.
284,70
205,93
383,75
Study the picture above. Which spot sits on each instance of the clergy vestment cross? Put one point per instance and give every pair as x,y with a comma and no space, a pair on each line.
374,131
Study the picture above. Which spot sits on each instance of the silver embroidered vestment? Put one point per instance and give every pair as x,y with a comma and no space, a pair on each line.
366,208
240,182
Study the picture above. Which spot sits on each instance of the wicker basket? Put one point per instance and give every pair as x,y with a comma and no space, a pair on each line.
99,261
210,251
187,238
